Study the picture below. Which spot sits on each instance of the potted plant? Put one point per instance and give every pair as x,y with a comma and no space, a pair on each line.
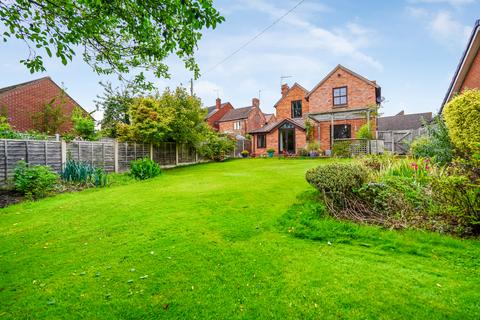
244,153
270,152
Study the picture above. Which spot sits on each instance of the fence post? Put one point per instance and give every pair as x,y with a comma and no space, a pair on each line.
151,151
176,154
196,155
5,141
115,156
393,142
46,152
63,151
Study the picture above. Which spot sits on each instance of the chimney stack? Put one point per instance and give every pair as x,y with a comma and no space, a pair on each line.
284,89
401,113
256,102
218,103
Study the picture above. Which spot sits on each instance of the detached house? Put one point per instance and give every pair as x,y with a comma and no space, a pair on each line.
216,112
242,120
336,108
22,101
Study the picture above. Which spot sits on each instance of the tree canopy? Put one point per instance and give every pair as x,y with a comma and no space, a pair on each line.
115,36
172,116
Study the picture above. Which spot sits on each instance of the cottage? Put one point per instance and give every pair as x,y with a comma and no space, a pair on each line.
242,120
216,112
20,102
335,109
467,75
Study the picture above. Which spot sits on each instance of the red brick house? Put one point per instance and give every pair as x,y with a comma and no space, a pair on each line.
216,112
269,117
21,101
467,75
336,107
242,120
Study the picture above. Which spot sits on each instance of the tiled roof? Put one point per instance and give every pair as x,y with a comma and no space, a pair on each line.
269,127
268,116
15,86
403,122
236,114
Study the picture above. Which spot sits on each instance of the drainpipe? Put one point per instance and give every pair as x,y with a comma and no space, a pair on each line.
331,131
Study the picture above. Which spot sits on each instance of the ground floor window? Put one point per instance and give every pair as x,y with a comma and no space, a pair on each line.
342,131
261,141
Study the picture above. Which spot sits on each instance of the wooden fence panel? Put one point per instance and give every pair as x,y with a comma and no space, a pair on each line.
35,152
100,154
186,153
130,151
165,154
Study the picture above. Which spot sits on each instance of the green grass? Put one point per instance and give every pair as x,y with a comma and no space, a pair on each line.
212,241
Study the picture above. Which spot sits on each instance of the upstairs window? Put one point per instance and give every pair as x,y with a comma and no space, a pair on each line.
237,125
297,109
261,141
339,96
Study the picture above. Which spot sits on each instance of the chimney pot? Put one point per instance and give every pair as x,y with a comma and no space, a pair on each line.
255,102
284,89
218,103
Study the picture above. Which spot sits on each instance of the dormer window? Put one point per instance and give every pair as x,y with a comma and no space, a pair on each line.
297,109
340,97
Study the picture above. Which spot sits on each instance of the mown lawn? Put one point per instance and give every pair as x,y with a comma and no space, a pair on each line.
205,242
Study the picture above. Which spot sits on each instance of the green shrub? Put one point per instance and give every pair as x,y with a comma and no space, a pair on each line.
303,152
35,181
395,195
462,116
337,179
341,149
270,150
436,145
217,147
84,173
245,153
144,169
459,198
364,132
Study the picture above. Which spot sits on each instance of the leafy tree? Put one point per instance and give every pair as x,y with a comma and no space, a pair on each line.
173,116
115,103
83,125
462,116
149,121
115,36
52,117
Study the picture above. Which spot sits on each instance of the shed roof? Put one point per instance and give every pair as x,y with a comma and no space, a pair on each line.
403,121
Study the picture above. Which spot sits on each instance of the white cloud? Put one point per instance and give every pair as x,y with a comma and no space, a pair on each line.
445,28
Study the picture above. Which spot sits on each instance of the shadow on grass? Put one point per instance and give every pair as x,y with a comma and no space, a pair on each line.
308,219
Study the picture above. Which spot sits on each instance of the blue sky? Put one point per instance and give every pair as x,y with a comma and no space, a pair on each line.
410,47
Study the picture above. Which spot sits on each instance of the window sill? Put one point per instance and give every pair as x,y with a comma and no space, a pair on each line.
340,106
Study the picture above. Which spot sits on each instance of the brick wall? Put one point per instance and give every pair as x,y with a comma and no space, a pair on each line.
284,107
359,93
472,80
21,103
227,127
256,119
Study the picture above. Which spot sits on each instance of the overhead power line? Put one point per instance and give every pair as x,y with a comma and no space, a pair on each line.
255,37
